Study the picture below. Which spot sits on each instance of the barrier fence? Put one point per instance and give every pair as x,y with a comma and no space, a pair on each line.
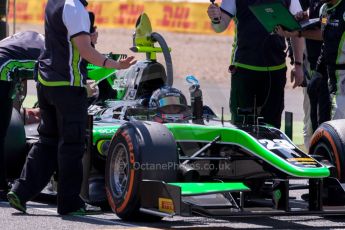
184,17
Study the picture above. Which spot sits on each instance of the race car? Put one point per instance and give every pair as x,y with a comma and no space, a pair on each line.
150,154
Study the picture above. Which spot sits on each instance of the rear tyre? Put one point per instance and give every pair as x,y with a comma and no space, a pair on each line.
328,141
134,147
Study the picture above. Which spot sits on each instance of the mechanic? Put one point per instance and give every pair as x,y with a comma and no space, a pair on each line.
20,51
317,109
258,68
331,32
170,105
62,100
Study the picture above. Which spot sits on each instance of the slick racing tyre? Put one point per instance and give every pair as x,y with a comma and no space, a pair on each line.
15,146
328,141
134,146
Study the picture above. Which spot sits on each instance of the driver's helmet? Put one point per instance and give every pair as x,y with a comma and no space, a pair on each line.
170,104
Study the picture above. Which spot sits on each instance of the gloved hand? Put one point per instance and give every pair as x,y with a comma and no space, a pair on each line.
314,84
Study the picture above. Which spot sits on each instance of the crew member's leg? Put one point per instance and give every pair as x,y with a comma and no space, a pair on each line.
41,161
243,91
71,105
340,96
272,93
307,126
324,102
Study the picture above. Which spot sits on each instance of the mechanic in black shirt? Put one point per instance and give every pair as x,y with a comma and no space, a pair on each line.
62,100
332,33
317,105
258,65
20,51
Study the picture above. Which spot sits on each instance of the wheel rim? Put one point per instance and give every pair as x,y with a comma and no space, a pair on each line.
119,173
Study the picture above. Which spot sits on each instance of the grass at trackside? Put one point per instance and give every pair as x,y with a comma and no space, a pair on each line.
297,133
297,125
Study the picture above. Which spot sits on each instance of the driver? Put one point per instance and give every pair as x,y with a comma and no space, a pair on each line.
170,104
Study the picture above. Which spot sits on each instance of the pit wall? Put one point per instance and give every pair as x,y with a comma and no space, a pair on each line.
174,16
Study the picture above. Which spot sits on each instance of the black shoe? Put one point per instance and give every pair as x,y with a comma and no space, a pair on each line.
15,202
85,211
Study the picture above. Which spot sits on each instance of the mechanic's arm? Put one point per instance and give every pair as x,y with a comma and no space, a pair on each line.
314,34
298,46
214,12
83,44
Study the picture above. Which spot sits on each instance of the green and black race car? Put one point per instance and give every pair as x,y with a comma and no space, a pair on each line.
200,165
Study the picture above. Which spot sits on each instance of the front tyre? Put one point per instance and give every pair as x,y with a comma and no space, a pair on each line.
135,146
328,141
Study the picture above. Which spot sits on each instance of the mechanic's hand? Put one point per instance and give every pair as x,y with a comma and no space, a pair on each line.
214,12
302,15
94,36
314,84
297,76
284,33
92,88
32,116
126,62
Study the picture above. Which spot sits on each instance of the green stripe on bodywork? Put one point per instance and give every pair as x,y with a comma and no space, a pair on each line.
145,49
193,189
75,65
188,132
104,132
98,74
12,64
200,133
260,68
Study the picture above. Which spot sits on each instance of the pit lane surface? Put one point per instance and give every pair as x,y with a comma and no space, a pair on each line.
44,216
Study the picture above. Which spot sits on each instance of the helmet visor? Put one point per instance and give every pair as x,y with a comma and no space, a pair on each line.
171,105
171,100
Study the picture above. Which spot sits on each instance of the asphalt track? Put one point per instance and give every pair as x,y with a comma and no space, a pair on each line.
44,216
